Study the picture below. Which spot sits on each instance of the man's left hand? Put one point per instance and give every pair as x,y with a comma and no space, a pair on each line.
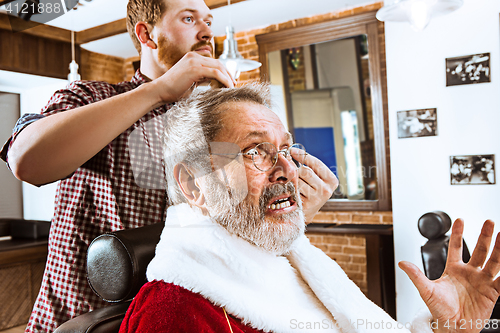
316,185
462,299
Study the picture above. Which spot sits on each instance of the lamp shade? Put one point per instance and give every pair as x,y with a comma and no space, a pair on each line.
417,12
232,59
73,72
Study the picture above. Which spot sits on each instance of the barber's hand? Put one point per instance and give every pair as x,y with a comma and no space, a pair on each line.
462,299
192,68
316,184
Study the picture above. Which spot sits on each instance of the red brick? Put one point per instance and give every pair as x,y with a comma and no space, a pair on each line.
365,218
324,217
315,239
343,217
322,247
334,248
354,250
353,267
340,258
357,241
339,240
359,260
355,276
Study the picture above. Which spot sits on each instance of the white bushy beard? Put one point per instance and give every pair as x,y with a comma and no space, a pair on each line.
273,234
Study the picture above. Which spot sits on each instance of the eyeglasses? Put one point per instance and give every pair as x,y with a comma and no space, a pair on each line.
265,155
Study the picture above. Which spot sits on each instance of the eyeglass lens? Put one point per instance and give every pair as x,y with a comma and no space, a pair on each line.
267,155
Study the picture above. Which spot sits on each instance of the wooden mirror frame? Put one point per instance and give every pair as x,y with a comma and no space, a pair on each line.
351,26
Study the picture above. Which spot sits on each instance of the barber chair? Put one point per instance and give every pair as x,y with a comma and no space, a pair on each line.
116,270
434,226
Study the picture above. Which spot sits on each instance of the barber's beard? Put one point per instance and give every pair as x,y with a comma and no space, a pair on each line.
274,234
169,53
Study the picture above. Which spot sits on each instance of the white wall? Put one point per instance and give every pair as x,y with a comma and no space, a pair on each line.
38,202
468,121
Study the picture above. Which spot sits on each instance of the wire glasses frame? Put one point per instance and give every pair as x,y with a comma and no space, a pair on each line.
265,155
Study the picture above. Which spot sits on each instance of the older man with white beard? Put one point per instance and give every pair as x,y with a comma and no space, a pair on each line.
233,256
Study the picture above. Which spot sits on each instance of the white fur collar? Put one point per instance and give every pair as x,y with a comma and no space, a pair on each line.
267,292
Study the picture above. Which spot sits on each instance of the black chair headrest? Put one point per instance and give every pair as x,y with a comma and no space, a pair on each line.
434,224
117,261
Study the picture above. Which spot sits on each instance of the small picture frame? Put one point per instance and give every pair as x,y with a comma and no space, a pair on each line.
417,123
468,69
472,169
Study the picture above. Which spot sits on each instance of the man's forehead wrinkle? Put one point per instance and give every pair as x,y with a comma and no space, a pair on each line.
259,134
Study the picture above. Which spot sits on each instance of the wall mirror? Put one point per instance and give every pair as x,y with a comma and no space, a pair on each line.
327,88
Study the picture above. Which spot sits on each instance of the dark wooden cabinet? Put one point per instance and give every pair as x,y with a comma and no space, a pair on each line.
22,262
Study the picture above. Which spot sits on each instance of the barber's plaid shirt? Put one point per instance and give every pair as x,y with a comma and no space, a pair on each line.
99,197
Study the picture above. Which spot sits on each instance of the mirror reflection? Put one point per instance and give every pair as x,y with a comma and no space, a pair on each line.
322,92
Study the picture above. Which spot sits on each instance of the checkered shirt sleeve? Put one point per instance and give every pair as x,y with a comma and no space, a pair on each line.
20,125
101,196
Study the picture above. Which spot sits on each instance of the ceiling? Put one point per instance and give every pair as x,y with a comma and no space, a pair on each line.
244,15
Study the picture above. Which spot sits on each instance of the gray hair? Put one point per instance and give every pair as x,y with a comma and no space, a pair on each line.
194,122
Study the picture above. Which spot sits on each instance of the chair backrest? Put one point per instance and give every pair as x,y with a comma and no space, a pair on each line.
116,270
434,226
117,261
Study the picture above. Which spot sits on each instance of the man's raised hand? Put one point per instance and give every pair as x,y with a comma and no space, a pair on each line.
462,299
316,184
192,68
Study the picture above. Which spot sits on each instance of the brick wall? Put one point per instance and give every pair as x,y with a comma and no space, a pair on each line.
348,250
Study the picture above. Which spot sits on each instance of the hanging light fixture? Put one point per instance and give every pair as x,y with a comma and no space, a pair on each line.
231,58
73,66
417,12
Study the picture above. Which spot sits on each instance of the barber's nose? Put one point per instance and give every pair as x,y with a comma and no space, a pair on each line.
284,170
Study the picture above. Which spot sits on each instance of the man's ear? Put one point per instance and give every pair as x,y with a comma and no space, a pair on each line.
186,181
143,32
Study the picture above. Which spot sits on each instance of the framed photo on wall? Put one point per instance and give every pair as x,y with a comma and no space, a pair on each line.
472,169
416,123
468,69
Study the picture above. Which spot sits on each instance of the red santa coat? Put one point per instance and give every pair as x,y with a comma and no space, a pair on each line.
202,266
164,307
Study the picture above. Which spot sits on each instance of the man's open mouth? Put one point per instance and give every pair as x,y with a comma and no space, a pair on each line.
281,203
